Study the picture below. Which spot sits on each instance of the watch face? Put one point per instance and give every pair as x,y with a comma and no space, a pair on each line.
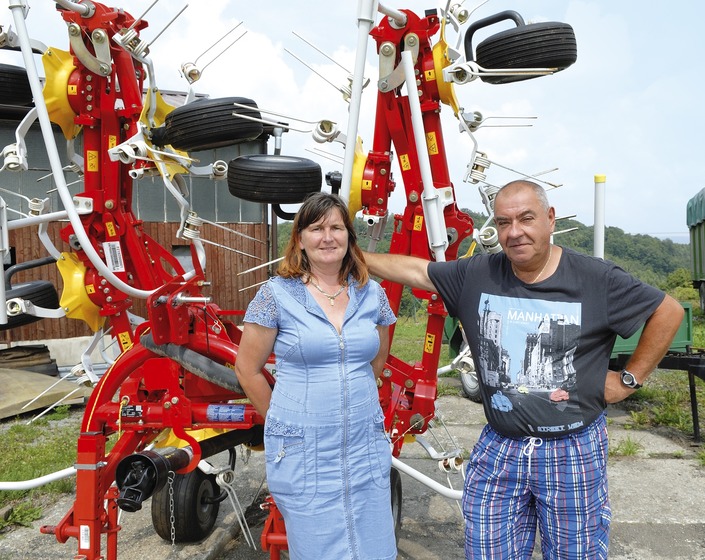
628,379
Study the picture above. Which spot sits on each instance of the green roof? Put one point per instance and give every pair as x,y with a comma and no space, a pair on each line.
696,209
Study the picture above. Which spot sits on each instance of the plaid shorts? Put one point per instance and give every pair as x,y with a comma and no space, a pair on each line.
561,483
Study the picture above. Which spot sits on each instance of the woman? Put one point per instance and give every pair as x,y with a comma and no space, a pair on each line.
328,460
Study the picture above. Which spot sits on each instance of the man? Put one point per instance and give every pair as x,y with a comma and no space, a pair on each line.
541,321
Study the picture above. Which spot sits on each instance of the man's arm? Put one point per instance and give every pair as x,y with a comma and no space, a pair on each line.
402,269
658,333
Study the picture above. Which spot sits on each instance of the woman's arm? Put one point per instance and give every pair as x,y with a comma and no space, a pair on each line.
381,358
255,347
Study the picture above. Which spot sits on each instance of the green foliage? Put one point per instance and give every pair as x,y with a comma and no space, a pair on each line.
664,401
21,514
36,450
625,448
650,259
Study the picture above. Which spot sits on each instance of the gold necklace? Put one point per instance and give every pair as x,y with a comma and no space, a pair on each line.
331,297
548,260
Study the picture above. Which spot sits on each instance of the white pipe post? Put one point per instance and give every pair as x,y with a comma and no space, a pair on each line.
598,246
433,212
366,11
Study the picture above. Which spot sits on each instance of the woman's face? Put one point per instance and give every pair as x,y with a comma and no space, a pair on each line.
325,241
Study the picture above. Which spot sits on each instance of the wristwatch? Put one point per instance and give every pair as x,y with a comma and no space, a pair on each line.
628,380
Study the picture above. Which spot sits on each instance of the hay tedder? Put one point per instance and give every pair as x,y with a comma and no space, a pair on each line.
170,399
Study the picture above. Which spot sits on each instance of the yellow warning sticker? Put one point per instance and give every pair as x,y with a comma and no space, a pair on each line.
430,343
404,162
92,160
110,226
418,223
125,340
432,143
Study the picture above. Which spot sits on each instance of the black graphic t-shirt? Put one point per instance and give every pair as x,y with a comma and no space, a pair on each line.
542,350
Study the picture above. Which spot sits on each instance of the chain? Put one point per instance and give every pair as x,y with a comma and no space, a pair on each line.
172,519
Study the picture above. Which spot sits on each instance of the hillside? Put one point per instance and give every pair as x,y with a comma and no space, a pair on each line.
648,258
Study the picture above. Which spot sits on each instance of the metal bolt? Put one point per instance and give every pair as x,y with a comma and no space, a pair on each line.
383,171
387,49
109,299
89,78
106,290
409,383
380,200
411,41
103,282
383,85
89,107
387,373
413,196
110,204
167,405
175,400
89,87
89,98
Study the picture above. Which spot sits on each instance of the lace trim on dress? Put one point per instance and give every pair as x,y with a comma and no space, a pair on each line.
386,315
275,427
263,308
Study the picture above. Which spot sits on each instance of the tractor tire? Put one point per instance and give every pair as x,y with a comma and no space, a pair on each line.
14,86
195,507
209,123
470,385
41,293
395,484
536,45
273,179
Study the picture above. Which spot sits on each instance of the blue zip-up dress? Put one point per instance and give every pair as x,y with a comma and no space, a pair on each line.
327,456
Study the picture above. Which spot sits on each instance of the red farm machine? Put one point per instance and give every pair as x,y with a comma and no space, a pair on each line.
171,399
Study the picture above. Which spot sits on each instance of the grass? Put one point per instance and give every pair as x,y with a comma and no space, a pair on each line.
34,450
626,448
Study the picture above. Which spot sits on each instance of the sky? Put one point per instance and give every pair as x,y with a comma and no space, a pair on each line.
630,108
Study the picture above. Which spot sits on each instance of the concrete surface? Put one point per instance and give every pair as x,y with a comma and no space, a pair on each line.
658,502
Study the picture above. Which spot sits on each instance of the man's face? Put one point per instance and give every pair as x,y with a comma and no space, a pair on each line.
523,225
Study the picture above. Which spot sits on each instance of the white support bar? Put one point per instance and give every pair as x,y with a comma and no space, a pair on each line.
427,481
367,9
36,482
431,202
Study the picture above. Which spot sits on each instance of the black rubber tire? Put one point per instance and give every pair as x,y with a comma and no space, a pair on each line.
195,507
470,385
41,293
14,86
395,484
273,179
209,123
536,45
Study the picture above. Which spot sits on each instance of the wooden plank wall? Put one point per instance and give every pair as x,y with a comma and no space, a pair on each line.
221,270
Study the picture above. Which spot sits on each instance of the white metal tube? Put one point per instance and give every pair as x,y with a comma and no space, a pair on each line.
366,12
55,161
427,481
39,219
430,200
40,481
598,246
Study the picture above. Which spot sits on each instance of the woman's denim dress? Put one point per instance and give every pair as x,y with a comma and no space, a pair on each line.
328,459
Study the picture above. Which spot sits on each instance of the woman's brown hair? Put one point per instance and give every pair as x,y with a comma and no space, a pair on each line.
315,208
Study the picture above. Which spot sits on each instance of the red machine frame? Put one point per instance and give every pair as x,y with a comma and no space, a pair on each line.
156,391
